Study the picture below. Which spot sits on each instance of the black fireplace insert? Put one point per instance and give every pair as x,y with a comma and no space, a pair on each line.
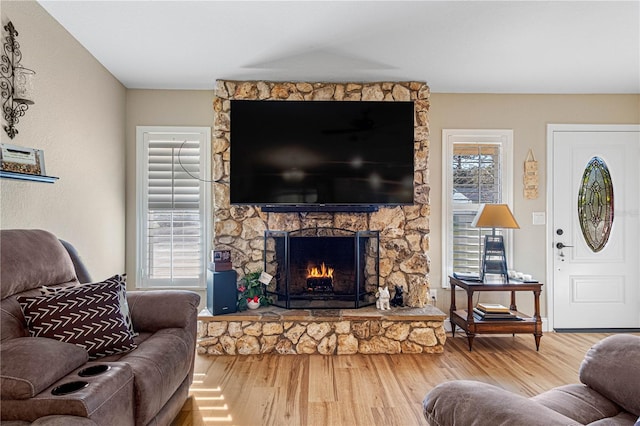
322,268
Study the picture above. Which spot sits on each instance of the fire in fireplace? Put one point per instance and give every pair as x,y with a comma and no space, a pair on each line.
320,279
322,267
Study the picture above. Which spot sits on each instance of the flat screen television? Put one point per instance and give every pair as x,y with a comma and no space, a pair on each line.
310,154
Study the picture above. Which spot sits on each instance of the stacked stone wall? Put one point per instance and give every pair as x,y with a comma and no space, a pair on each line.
342,337
404,230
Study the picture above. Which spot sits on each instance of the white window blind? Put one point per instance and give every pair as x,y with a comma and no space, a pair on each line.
174,191
477,170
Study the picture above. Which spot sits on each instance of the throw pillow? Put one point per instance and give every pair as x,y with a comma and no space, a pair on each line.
88,316
124,306
26,368
48,291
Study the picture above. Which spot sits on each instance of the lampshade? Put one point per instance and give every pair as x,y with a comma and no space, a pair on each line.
494,216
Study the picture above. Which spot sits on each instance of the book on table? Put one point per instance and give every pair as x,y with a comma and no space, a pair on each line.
492,308
474,278
494,316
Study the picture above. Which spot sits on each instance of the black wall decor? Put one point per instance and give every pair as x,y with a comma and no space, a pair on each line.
15,82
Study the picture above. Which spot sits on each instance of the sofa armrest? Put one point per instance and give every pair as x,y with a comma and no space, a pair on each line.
31,364
63,421
471,403
611,368
53,421
154,310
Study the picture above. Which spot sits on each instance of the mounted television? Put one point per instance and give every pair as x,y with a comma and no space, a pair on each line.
321,155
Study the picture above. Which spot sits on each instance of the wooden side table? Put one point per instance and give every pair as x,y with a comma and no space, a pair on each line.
464,318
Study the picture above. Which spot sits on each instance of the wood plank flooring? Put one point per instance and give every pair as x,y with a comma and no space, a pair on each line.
371,389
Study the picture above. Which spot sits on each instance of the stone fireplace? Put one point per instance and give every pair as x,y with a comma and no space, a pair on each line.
322,268
402,257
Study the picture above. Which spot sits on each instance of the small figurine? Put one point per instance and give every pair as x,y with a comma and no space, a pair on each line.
383,298
397,298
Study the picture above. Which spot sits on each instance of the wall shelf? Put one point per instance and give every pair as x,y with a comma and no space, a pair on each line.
25,176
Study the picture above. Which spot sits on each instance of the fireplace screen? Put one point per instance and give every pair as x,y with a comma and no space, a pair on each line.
322,268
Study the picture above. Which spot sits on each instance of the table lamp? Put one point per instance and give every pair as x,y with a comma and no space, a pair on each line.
494,260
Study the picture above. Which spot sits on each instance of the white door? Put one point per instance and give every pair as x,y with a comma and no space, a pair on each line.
595,279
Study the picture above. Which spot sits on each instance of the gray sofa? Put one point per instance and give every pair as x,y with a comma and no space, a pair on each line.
46,381
608,395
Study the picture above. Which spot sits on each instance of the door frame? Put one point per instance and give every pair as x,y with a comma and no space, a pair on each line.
551,129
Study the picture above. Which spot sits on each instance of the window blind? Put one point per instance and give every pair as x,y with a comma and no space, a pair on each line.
476,169
173,175
476,173
173,251
476,180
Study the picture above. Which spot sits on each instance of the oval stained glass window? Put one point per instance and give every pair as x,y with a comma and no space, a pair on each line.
595,204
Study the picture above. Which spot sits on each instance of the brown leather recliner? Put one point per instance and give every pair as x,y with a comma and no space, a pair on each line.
608,395
144,386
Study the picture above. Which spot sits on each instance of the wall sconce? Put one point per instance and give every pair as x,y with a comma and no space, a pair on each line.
16,82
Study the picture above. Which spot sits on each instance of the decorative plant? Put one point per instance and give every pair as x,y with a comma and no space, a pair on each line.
250,288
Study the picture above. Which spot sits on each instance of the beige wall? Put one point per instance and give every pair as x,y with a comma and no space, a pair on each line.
528,116
157,108
78,120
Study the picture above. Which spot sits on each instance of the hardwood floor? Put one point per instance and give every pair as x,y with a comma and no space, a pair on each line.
371,389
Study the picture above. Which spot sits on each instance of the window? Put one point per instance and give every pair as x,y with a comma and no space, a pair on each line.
173,192
477,169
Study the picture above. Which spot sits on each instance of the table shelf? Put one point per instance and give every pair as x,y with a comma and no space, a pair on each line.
462,313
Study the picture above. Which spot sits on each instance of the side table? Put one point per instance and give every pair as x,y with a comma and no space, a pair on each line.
464,318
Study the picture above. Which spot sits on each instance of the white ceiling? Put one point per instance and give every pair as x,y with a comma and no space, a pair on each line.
455,46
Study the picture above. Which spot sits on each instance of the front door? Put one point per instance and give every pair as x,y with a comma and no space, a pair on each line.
594,226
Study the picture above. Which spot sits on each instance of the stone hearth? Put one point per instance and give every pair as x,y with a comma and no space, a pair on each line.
322,331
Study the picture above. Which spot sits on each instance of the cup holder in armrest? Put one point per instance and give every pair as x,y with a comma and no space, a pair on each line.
70,387
94,370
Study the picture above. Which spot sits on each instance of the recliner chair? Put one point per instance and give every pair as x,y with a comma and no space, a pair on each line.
608,395
43,379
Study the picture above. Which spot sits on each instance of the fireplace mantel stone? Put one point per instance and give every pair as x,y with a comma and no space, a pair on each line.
404,230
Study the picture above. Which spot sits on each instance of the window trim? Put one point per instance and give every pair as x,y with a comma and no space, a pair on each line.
449,137
141,208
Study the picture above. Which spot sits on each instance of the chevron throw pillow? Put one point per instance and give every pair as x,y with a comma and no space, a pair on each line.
124,306
88,316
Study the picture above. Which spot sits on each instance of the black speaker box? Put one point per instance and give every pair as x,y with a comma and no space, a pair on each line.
222,292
